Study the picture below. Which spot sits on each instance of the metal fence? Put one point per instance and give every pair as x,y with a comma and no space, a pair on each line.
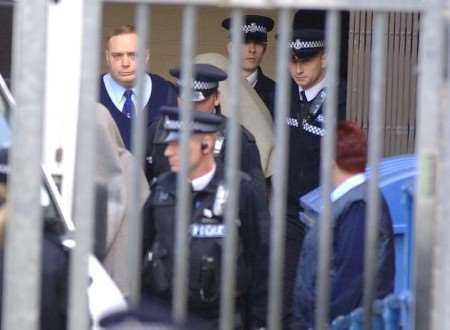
20,307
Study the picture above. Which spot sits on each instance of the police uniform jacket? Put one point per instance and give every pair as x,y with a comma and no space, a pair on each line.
156,163
265,87
305,123
346,274
207,245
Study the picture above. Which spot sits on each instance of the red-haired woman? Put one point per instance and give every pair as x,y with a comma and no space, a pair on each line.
349,219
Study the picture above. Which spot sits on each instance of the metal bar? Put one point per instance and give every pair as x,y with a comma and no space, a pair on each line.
414,82
403,110
21,298
360,71
232,178
409,69
183,209
138,146
375,152
84,191
366,70
350,68
395,86
441,316
376,5
389,84
430,83
327,158
279,179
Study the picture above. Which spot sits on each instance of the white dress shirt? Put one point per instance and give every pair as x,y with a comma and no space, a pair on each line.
253,78
347,185
312,92
116,91
201,182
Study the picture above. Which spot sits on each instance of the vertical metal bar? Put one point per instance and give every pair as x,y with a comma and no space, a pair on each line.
183,209
350,65
414,82
84,192
375,152
279,180
139,124
23,265
232,179
441,315
327,158
430,82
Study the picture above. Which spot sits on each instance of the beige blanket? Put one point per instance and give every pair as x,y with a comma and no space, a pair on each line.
254,114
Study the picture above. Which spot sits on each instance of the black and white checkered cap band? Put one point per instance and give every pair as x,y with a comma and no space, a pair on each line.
252,28
175,125
202,85
298,44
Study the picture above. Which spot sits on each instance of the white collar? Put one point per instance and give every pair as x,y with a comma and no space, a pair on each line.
115,90
312,92
201,182
253,78
347,185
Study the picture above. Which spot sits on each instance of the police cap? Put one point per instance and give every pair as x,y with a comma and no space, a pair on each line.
255,27
306,43
309,19
202,122
206,80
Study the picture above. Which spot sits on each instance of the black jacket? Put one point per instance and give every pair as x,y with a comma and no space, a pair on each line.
156,163
305,132
346,274
54,283
265,87
206,250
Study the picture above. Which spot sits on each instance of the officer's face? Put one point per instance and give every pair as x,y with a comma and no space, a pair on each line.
121,58
172,152
307,72
252,53
208,104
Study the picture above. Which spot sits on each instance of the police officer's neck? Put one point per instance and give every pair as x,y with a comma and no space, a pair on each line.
206,165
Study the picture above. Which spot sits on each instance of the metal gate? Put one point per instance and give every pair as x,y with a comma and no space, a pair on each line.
20,307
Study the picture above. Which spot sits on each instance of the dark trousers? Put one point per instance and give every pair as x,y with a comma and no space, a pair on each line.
295,233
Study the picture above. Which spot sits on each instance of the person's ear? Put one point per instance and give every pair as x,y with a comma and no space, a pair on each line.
323,60
204,146
147,56
108,62
217,100
229,47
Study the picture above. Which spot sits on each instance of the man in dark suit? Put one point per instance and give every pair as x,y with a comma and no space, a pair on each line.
255,30
118,87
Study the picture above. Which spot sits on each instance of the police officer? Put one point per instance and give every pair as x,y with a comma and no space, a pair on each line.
205,98
255,30
307,68
209,199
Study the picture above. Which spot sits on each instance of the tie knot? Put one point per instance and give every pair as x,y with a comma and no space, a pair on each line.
128,93
303,96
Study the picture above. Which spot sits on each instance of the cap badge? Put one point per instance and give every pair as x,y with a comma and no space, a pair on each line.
252,28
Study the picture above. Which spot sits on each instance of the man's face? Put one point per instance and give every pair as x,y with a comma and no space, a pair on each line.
172,152
252,53
121,58
307,72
